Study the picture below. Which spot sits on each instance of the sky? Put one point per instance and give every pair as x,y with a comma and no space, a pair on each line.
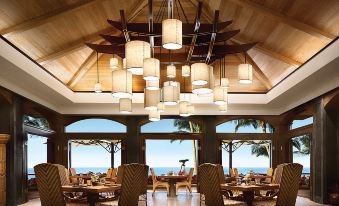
159,153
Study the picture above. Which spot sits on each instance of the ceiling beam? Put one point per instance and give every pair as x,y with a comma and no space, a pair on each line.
259,47
285,19
84,68
196,30
40,20
139,6
256,70
213,36
74,46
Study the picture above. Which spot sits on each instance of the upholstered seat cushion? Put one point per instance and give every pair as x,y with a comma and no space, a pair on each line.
265,203
233,202
113,203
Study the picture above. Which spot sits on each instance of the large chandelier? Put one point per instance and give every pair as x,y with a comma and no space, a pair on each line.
185,71
183,108
154,115
122,83
114,63
152,84
136,51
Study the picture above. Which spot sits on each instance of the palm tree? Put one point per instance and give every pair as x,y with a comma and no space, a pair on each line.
302,144
187,126
258,148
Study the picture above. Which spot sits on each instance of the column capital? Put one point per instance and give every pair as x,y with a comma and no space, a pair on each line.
4,138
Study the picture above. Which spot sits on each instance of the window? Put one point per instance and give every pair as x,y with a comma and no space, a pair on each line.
300,123
36,154
94,155
245,126
171,125
301,151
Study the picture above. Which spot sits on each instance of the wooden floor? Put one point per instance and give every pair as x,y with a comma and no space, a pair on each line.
183,199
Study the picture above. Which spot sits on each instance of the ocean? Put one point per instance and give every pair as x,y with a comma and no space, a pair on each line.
165,170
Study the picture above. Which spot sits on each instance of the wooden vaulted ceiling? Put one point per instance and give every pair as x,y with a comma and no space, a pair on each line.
53,33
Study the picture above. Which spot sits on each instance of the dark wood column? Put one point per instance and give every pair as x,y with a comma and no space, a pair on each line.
280,144
132,148
210,146
59,141
325,152
16,169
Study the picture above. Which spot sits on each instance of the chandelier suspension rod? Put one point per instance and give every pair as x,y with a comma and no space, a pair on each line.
170,9
183,11
98,68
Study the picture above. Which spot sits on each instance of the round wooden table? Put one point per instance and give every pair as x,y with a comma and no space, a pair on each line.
172,179
249,190
92,191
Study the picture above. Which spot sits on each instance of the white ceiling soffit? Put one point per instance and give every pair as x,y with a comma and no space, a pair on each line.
316,77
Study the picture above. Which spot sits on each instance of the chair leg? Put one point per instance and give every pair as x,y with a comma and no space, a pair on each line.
153,190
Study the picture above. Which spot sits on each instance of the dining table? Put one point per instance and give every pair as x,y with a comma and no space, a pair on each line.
172,179
92,192
248,191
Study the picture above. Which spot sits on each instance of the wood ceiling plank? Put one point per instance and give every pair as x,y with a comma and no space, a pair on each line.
269,52
139,6
285,19
74,46
35,22
84,68
256,70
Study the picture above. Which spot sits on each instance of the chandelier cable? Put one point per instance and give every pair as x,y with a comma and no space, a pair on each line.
98,68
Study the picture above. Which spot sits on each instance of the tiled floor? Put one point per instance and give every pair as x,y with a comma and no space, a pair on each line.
183,199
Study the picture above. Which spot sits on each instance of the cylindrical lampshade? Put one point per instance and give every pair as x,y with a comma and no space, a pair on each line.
223,108
154,115
114,63
152,84
171,92
151,69
183,108
219,95
190,109
200,74
124,63
151,99
172,34
205,89
97,87
135,52
185,71
171,71
161,107
125,105
224,83
245,75
121,83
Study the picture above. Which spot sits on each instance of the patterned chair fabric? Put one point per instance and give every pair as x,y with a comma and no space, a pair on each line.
289,185
269,173
120,174
49,184
133,183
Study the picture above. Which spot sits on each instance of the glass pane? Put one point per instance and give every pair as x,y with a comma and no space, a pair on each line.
95,126
301,123
164,155
170,125
301,152
94,155
245,126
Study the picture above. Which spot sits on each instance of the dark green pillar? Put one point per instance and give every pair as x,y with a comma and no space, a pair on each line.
210,142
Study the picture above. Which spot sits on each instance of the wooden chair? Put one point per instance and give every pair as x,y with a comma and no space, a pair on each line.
209,182
158,184
143,194
236,172
133,182
231,172
289,185
111,175
269,173
187,183
50,178
120,174
72,172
